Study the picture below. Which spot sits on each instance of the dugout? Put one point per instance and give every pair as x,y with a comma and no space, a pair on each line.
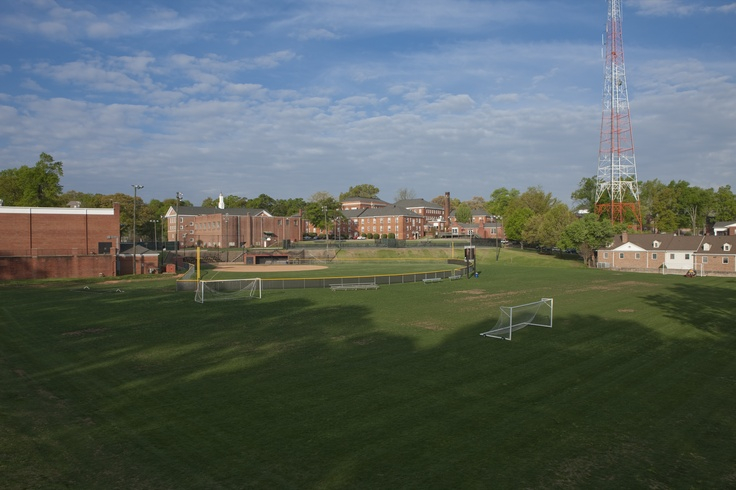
266,259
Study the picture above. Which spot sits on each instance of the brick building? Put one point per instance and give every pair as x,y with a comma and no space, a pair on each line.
40,243
661,252
235,227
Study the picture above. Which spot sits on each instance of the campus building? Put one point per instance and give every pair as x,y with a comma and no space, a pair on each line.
39,243
195,226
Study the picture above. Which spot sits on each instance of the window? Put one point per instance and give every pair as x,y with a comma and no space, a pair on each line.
621,255
672,256
725,260
637,256
726,247
605,255
654,256
705,260
656,244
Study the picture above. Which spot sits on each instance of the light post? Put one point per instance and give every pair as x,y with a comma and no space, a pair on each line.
155,238
179,195
227,237
135,198
163,246
327,242
117,251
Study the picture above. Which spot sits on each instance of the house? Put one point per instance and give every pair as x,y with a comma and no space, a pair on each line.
714,255
48,242
482,225
725,228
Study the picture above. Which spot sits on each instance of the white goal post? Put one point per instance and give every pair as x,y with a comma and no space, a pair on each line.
228,289
538,314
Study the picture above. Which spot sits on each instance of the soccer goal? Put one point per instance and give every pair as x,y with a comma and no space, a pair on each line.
228,289
538,314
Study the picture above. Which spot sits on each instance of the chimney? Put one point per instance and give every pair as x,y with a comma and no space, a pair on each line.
221,204
447,211
624,237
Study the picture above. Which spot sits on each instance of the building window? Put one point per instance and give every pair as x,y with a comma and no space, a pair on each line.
727,247
605,255
637,256
687,256
654,256
725,260
705,260
621,255
672,256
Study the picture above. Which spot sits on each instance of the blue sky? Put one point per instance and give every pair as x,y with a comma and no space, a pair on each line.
289,98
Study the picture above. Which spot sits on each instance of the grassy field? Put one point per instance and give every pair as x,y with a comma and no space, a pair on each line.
128,384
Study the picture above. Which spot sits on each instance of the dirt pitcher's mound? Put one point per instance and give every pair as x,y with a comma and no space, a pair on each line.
266,268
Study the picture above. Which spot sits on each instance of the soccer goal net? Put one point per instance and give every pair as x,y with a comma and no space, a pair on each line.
228,289
538,313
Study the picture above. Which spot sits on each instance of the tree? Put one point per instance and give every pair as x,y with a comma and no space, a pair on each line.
476,203
584,196
724,204
363,190
587,235
230,201
463,213
515,223
500,200
317,211
404,194
320,196
33,186
263,201
289,207
537,200
546,229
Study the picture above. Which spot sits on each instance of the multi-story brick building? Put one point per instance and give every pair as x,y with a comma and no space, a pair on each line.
58,242
234,227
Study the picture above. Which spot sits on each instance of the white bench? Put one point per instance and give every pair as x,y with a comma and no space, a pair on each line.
456,277
432,279
353,286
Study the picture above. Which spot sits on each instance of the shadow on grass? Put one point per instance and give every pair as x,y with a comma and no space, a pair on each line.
316,390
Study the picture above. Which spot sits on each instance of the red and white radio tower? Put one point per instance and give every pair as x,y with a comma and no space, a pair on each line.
617,187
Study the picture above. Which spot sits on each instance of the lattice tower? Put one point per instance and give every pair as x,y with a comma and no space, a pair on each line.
617,186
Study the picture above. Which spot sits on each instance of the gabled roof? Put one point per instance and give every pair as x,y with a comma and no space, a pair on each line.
389,211
417,203
655,242
204,211
717,245
364,201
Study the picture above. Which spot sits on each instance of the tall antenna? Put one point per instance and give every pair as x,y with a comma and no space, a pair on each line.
617,186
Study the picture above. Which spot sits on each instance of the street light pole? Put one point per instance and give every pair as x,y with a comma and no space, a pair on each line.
163,245
327,242
179,195
155,239
135,198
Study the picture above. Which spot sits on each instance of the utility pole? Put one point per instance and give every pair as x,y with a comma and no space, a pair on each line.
617,185
135,198
179,197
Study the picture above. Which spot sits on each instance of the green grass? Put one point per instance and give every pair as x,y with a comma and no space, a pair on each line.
634,387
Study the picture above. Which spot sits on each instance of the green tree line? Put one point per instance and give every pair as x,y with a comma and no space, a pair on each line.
532,217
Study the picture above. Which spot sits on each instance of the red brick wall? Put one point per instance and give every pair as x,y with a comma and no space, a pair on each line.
57,230
15,268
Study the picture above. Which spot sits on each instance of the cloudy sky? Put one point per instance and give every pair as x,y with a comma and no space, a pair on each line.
292,97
